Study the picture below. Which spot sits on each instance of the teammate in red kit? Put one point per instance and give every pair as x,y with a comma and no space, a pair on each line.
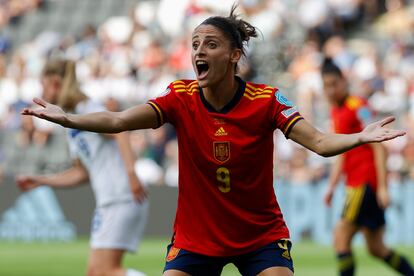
365,172
227,211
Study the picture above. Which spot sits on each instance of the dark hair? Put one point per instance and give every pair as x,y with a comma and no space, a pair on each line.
329,67
236,30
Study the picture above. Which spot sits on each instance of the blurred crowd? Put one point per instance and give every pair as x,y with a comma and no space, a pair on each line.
12,10
129,59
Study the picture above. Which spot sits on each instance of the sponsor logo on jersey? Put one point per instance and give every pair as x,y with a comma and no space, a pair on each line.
172,253
220,132
289,112
282,99
221,151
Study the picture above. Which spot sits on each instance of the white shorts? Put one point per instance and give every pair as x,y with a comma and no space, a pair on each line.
119,226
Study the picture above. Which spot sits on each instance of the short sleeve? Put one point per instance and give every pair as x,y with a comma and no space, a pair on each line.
284,113
164,106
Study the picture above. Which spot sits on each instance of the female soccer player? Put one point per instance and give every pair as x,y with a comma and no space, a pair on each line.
107,161
365,171
227,210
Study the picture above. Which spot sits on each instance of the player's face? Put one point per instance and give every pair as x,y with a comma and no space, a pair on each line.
335,88
51,88
212,56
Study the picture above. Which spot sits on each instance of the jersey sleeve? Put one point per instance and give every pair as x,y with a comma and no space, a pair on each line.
164,106
284,113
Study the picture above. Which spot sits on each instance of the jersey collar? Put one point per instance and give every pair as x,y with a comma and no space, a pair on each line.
229,105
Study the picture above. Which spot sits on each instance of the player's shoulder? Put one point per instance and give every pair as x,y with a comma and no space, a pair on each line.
184,86
354,102
254,91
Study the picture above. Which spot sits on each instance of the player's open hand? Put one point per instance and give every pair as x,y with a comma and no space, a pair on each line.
137,188
377,132
328,196
46,111
26,183
383,197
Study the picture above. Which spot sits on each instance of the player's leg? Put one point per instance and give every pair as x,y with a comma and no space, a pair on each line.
173,272
372,220
376,247
116,229
343,233
105,262
276,271
273,259
346,228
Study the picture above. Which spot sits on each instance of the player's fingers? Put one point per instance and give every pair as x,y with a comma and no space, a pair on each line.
387,121
25,111
139,196
40,102
394,134
143,195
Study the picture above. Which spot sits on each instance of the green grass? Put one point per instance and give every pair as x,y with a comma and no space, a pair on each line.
69,259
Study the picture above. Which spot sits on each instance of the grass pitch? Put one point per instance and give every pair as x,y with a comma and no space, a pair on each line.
69,259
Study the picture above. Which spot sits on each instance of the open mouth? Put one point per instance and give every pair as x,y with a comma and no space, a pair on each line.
202,68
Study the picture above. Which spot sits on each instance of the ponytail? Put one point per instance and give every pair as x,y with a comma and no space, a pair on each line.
70,94
235,29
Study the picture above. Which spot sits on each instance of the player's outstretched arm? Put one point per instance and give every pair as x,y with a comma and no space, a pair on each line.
75,175
138,117
328,144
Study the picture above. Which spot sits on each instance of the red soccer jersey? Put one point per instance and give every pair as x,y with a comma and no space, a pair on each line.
359,164
226,201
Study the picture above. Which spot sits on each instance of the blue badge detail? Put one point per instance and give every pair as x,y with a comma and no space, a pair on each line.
283,100
365,115
74,132
96,221
165,92
289,112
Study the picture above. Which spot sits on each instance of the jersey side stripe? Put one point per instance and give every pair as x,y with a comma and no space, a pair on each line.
260,92
181,87
253,88
256,97
355,203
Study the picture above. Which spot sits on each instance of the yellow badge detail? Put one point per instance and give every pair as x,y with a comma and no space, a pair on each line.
286,255
220,132
353,102
283,244
172,253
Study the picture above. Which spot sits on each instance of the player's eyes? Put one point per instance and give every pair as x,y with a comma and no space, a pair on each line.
212,45
195,45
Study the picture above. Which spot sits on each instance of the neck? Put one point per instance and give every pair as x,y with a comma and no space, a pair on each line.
220,94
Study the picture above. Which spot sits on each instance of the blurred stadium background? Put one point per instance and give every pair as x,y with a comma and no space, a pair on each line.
129,50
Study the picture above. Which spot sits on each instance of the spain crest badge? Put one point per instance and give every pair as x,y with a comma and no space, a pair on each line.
221,151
